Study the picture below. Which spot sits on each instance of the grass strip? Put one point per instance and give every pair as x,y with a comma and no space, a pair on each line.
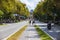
17,34
42,34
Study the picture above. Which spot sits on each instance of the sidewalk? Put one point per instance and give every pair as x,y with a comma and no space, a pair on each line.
29,34
54,32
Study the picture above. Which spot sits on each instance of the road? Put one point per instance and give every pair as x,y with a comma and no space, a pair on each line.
29,34
9,29
54,32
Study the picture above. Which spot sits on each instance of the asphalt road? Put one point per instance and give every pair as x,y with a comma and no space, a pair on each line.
54,32
9,29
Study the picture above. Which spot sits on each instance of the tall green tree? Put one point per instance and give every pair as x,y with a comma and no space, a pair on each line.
11,7
45,10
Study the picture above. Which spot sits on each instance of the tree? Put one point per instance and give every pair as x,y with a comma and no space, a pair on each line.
45,10
11,7
1,14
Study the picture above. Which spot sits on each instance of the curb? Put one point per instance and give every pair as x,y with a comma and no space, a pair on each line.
48,34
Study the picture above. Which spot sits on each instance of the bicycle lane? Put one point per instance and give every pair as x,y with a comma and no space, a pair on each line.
29,34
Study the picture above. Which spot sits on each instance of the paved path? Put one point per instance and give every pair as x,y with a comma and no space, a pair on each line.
54,32
9,29
29,34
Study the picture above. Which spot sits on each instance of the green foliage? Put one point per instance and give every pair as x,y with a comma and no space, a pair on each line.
11,7
45,10
1,13
42,34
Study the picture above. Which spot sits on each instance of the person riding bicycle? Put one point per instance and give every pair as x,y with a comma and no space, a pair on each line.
49,25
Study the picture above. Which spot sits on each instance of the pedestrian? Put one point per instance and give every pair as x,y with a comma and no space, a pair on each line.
30,21
33,21
49,25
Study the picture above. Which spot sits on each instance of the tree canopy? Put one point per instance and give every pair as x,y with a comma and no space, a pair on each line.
46,10
11,7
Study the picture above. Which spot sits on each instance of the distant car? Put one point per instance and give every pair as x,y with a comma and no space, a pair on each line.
22,17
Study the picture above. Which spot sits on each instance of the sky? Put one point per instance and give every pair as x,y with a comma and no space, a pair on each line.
31,4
